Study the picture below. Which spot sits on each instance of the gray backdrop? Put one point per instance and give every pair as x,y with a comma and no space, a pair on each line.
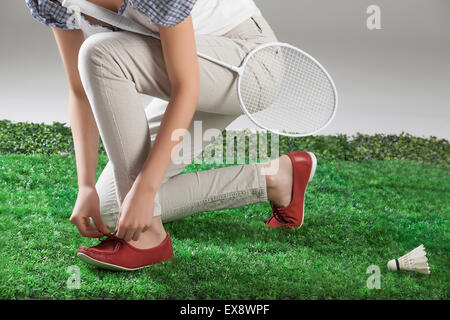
389,80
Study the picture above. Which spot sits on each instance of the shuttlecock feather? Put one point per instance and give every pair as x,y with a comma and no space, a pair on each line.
416,260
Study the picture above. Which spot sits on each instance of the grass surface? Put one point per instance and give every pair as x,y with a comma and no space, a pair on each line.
357,214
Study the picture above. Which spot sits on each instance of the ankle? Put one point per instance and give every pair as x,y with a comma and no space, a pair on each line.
271,181
272,177
279,184
151,237
157,230
157,225
272,188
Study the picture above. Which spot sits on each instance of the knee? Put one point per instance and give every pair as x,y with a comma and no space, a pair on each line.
96,54
90,52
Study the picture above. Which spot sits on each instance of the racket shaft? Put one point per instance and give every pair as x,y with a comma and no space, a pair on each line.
127,24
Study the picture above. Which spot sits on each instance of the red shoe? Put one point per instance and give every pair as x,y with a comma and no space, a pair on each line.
116,254
304,166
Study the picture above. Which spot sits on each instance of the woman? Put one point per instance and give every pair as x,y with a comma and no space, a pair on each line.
140,188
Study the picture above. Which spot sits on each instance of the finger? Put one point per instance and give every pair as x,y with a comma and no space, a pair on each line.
86,230
91,230
99,224
90,226
121,230
136,235
116,230
129,235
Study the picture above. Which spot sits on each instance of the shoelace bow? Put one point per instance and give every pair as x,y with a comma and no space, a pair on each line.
112,237
278,213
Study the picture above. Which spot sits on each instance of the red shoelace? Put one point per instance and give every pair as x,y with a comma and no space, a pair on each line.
278,214
110,238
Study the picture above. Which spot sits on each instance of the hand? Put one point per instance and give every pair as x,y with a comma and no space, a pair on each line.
86,206
135,213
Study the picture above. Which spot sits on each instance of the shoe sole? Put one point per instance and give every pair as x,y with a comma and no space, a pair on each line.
311,176
313,167
100,264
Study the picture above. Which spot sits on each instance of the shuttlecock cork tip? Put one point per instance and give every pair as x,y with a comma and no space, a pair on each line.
392,265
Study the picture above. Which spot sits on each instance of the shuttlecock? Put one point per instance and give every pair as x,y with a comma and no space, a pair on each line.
415,260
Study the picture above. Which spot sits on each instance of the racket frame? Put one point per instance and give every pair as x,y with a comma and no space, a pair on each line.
287,45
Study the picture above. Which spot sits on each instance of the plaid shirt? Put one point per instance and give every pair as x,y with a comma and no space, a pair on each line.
163,12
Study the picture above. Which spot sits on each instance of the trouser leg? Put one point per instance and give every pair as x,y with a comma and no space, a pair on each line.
182,195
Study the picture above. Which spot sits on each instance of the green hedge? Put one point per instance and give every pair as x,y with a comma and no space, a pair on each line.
29,138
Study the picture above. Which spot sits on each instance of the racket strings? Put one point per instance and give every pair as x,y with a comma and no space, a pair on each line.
285,91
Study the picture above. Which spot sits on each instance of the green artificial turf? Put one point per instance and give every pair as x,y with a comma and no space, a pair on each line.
357,214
